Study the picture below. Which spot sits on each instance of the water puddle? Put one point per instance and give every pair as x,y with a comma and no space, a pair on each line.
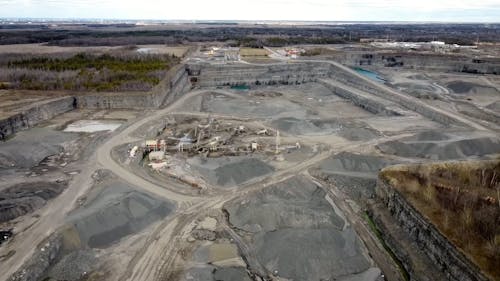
90,126
369,74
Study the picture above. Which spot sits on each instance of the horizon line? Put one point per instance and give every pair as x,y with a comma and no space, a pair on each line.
245,21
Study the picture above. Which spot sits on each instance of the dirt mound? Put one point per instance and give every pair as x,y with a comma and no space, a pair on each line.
443,150
297,232
115,212
230,171
28,148
24,198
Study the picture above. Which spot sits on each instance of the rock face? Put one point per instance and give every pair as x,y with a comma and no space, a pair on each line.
436,62
366,101
442,253
232,75
172,86
34,115
376,98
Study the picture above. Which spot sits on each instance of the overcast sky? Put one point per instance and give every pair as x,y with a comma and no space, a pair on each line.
315,10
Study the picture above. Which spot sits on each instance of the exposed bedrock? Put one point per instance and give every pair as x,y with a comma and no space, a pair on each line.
442,253
231,75
435,62
369,102
35,114
174,84
353,80
348,84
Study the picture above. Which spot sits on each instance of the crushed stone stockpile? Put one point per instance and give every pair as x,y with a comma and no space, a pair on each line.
355,174
230,171
116,211
25,198
73,266
442,150
28,148
297,233
463,87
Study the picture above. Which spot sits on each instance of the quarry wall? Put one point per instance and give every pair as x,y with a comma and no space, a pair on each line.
372,104
235,75
174,84
34,115
428,238
407,102
434,62
205,75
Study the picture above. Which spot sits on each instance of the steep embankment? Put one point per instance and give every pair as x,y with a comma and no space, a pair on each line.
174,84
33,115
450,210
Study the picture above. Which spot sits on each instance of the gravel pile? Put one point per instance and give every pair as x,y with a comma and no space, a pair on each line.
230,171
24,198
297,233
117,211
28,148
74,266
463,87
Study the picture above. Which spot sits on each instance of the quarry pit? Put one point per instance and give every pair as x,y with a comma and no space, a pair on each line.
235,171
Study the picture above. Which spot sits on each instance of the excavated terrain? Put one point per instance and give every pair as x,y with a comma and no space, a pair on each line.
294,231
241,171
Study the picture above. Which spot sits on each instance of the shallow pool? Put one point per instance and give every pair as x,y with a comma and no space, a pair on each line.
372,75
90,126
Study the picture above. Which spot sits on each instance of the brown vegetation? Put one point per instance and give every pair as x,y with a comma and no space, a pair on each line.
125,70
462,199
